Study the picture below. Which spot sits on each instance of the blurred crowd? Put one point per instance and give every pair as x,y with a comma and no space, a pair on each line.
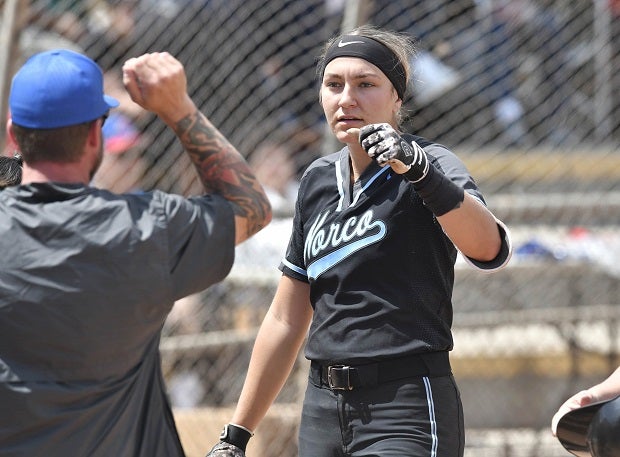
516,73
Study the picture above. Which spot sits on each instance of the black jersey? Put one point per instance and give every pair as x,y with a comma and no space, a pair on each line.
380,267
87,279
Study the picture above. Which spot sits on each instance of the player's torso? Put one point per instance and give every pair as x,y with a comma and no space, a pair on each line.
75,274
347,225
373,253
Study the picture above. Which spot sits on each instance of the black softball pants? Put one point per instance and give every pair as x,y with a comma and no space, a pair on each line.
414,417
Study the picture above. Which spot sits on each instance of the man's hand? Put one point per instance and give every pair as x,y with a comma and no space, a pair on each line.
387,147
157,83
223,449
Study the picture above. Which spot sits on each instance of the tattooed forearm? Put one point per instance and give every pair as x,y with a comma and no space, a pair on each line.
223,170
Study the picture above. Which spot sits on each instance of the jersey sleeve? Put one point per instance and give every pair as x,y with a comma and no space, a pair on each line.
502,258
455,169
201,237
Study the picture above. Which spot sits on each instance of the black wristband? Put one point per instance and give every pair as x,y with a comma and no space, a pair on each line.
439,194
236,435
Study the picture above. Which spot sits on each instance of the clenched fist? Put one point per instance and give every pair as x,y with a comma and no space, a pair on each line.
387,147
157,82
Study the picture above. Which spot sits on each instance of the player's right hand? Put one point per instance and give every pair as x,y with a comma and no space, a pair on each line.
157,82
383,144
223,449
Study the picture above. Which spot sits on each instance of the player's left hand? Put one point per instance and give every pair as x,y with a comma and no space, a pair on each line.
233,440
387,147
223,449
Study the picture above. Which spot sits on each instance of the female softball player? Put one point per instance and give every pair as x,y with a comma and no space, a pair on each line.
368,274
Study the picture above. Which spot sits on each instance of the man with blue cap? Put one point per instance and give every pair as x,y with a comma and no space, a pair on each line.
87,277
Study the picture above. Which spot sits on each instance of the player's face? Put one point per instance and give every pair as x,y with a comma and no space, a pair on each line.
355,93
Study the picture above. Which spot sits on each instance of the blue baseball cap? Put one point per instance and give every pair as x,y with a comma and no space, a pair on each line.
58,88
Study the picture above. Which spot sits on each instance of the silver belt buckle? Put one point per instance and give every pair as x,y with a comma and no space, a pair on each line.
344,368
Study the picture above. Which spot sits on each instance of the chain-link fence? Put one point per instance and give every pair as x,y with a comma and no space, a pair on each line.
524,91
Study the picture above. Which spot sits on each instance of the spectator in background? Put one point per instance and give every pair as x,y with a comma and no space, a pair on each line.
105,23
473,44
547,67
62,17
501,66
494,58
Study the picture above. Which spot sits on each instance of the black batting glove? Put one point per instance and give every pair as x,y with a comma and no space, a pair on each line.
385,145
233,441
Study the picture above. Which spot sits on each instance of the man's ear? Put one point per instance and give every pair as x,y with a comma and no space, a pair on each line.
10,136
95,133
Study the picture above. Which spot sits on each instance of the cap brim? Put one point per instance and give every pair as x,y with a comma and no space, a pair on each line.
572,428
111,101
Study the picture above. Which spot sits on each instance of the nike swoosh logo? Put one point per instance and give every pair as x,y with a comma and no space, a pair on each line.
342,44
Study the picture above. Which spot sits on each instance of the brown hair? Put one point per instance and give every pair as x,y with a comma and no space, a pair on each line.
62,145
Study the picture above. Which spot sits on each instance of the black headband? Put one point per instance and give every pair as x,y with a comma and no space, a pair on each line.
372,51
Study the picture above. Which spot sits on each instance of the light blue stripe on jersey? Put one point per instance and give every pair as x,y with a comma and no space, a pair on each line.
323,264
295,268
370,181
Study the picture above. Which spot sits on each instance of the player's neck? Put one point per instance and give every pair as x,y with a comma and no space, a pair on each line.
359,162
54,172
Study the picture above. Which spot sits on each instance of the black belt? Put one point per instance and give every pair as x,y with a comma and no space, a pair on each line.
347,377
